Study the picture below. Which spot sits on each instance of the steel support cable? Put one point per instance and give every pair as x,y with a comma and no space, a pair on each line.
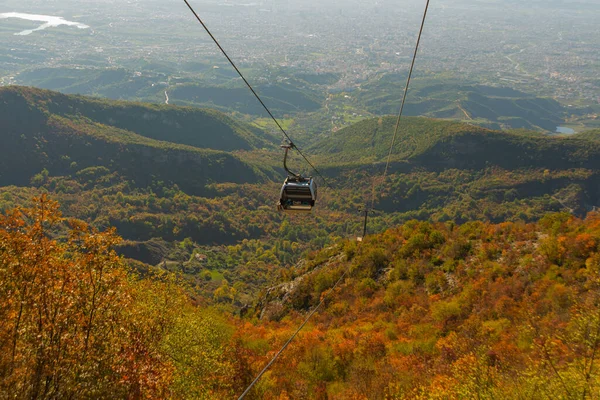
412,66
287,137
287,343
397,128
308,317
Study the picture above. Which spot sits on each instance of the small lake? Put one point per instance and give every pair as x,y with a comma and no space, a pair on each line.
48,21
564,130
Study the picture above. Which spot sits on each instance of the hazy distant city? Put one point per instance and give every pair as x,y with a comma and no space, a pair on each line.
547,48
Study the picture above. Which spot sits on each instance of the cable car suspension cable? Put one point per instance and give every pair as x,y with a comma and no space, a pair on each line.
292,145
412,66
287,137
397,127
308,317
366,211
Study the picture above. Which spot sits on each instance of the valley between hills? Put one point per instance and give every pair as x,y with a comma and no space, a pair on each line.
153,225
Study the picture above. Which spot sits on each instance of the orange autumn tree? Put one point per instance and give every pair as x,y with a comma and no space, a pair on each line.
66,326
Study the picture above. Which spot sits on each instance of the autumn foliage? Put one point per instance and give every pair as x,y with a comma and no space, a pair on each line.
67,328
441,311
426,311
76,324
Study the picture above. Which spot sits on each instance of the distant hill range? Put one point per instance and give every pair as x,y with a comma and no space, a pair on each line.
66,134
297,93
495,167
170,173
146,143
45,129
220,88
282,98
117,83
493,107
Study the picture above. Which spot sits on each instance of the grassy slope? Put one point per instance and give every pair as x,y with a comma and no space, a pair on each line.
444,311
201,128
369,140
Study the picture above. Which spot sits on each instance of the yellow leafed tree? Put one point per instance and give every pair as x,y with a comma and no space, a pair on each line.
66,328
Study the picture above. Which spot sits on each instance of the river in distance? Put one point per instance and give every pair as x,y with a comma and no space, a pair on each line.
564,130
48,21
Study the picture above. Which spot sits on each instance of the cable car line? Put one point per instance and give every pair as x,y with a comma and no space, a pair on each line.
286,136
397,127
412,66
308,317
291,145
366,212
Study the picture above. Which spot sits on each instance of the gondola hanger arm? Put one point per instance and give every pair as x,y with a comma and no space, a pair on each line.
287,148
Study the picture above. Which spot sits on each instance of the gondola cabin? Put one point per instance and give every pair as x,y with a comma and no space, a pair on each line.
298,194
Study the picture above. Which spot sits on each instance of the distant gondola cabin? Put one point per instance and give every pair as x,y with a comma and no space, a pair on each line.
298,194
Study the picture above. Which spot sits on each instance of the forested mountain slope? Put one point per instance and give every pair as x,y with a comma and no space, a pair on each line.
282,98
434,311
498,107
211,214
209,87
67,134
437,144
203,128
425,311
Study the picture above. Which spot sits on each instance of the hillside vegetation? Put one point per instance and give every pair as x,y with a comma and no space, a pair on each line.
115,83
495,107
65,135
434,311
318,103
76,323
211,215
369,141
426,311
209,87
435,144
281,98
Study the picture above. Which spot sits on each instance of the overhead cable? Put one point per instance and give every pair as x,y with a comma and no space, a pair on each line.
286,344
324,297
412,66
286,136
397,128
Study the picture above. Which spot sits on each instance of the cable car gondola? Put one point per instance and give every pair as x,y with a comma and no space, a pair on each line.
298,194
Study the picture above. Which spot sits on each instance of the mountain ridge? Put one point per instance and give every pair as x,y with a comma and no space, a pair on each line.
438,144
36,138
151,120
